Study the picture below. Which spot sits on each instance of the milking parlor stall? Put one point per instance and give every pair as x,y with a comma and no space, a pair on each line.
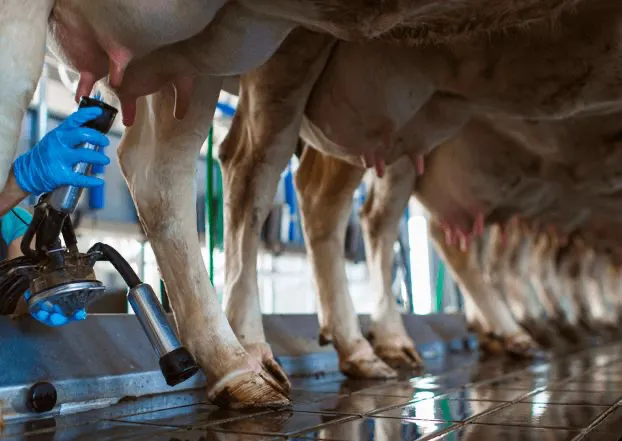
245,273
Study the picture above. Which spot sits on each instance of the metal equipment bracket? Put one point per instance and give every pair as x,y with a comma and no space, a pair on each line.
99,361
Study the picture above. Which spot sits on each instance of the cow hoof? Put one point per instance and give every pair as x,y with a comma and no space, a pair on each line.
246,389
609,331
574,334
363,363
373,368
399,356
491,344
262,353
521,346
549,338
325,338
395,349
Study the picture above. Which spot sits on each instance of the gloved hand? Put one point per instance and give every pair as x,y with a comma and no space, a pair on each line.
51,315
49,164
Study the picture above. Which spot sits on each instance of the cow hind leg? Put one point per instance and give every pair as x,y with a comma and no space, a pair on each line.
477,324
501,325
158,157
386,200
262,138
325,187
23,29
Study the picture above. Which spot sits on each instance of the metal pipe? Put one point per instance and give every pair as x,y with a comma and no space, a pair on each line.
405,252
209,201
440,288
153,320
141,261
42,105
176,363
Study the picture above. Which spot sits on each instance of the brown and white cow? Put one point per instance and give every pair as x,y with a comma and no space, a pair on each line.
531,117
168,49
519,291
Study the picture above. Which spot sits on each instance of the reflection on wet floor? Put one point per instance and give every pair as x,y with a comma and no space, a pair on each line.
577,397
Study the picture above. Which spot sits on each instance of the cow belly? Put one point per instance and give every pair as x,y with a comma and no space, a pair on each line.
318,139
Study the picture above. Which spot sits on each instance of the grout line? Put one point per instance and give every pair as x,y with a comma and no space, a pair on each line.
498,406
598,420
537,390
204,424
494,380
439,433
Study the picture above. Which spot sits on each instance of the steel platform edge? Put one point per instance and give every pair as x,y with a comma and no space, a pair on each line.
107,358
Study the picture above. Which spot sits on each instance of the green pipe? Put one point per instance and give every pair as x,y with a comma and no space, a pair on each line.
446,410
209,195
440,287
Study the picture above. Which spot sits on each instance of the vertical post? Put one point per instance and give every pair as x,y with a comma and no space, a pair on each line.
141,261
42,105
459,298
440,287
209,193
405,252
41,125
290,200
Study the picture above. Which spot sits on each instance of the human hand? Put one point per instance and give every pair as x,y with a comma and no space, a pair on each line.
49,164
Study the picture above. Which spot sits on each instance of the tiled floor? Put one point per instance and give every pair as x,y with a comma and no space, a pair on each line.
577,397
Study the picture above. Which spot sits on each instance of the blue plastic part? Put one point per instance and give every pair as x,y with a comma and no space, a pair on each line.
97,169
97,194
51,315
226,109
292,203
97,197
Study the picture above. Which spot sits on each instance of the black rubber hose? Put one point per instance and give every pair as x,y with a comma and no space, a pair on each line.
12,286
35,223
69,234
111,255
12,289
7,265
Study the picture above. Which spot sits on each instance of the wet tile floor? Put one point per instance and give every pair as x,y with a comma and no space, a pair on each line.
575,397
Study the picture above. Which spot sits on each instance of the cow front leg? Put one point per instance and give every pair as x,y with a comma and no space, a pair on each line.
158,157
386,200
262,138
325,187
23,29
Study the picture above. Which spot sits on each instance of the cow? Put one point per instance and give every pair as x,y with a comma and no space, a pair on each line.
530,116
521,291
177,53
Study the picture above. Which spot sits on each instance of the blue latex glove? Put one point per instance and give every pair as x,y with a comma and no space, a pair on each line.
49,164
51,315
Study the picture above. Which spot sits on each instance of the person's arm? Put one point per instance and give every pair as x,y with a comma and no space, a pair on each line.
14,225
15,249
11,195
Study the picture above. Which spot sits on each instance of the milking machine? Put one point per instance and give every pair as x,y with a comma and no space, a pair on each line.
62,278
